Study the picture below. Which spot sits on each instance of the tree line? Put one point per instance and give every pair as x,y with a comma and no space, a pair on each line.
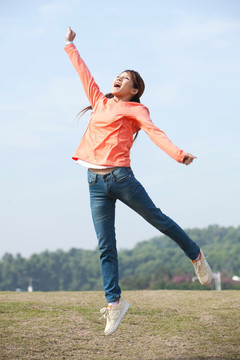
154,264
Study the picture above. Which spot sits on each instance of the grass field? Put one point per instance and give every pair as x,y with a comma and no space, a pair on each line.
159,325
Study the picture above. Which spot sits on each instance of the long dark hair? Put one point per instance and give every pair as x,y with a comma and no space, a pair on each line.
138,83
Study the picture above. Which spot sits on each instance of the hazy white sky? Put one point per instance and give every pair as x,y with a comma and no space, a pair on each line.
188,53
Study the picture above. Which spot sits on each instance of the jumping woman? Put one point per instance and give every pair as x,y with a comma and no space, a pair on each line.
105,150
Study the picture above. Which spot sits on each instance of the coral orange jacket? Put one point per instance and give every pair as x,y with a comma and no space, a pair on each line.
109,135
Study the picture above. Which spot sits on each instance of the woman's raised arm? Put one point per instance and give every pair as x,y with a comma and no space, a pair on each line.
89,85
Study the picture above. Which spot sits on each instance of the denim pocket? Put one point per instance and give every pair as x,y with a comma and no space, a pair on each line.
92,178
122,174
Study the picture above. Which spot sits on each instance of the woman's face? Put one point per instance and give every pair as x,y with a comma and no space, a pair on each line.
123,88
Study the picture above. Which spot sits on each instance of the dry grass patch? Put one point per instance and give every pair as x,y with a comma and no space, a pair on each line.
158,325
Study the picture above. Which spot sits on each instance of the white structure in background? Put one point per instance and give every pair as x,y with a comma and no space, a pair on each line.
30,287
216,277
236,278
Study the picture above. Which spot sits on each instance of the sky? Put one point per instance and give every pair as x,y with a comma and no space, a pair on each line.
188,53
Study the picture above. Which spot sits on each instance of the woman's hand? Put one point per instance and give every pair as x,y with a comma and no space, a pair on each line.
188,159
70,36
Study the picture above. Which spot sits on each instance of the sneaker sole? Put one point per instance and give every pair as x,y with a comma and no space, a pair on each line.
119,319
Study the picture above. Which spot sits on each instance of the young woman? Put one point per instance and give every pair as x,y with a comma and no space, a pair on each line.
104,150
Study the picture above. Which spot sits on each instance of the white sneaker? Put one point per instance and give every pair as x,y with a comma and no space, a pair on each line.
202,269
114,315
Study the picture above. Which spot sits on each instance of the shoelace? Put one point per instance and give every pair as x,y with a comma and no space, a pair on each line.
105,312
201,264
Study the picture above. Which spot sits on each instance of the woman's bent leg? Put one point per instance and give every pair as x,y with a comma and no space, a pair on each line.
103,214
132,193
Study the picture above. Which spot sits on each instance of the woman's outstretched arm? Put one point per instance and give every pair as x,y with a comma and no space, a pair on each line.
89,85
161,139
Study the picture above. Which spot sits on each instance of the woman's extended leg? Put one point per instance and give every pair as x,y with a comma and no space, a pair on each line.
127,189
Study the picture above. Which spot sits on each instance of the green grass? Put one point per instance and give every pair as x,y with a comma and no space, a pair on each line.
159,325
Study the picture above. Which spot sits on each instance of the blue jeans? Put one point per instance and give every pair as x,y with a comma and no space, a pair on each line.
104,191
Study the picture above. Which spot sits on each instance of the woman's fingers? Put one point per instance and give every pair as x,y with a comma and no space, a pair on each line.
70,36
188,159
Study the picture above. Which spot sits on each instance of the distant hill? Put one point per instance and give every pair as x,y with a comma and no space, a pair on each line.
159,261
154,264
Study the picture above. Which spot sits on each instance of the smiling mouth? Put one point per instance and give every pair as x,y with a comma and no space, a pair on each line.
117,85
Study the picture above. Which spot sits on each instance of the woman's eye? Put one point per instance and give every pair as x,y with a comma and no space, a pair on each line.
123,78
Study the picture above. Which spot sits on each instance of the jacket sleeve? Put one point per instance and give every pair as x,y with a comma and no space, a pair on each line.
158,136
89,85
